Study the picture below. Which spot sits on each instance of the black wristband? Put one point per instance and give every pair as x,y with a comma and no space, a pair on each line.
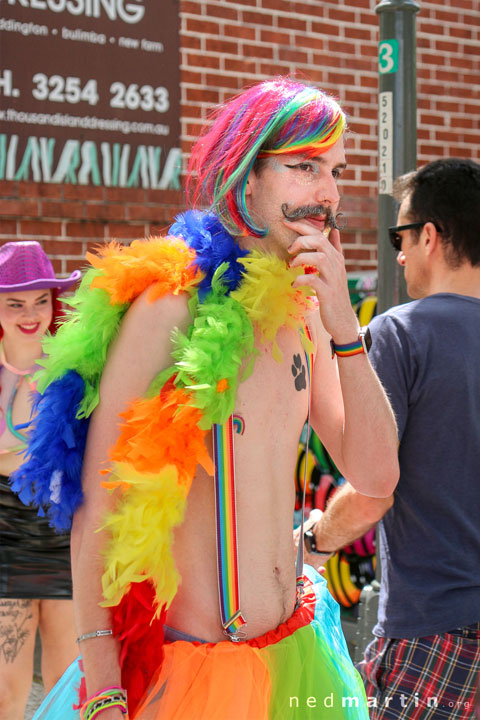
311,546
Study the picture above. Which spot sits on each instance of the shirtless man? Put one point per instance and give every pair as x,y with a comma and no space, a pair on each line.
349,410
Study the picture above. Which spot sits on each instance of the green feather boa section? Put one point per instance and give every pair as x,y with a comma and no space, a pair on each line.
210,357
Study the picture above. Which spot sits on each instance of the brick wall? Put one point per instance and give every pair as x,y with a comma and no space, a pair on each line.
226,44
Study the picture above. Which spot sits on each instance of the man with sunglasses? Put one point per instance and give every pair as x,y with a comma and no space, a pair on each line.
425,659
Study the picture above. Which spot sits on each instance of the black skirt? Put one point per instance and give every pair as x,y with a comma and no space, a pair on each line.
34,560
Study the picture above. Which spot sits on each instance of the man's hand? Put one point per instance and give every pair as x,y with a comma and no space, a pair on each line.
314,249
316,561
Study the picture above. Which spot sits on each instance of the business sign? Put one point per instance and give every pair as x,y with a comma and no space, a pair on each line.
90,92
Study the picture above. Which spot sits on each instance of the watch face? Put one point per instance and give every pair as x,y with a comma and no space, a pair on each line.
366,338
309,541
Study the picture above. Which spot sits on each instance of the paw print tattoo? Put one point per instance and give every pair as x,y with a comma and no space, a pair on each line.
298,372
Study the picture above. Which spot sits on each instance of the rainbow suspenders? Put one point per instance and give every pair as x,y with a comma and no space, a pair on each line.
226,519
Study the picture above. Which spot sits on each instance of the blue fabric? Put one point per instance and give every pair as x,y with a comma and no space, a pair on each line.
58,705
426,355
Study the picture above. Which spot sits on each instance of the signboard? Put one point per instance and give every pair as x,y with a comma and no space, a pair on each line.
388,56
90,92
385,139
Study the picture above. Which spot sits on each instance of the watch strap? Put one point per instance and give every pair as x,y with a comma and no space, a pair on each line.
354,348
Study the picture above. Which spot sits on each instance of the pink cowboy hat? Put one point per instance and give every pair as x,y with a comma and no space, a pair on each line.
24,266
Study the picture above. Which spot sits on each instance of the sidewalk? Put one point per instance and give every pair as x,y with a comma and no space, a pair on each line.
36,694
36,697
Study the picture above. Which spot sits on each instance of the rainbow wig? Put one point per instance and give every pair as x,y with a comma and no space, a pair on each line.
277,116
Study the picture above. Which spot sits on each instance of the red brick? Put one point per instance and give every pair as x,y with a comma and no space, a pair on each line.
343,47
8,189
446,17
201,95
202,26
319,29
191,42
313,10
221,11
471,123
190,6
19,208
221,46
359,33
270,69
341,16
142,213
192,78
293,23
71,265
258,51
37,190
256,18
192,111
460,151
124,195
240,31
39,227
310,43
101,211
279,6
223,81
242,66
292,55
276,37
63,247
53,209
8,227
86,230
82,192
129,231
462,32
360,3
208,61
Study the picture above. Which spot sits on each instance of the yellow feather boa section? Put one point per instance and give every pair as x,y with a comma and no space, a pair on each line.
269,299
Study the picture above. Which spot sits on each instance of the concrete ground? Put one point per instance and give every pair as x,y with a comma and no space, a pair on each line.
37,694
36,697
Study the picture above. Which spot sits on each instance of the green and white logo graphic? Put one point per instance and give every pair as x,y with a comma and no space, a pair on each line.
388,56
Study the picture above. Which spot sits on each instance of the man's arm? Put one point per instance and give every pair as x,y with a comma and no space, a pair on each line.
348,516
350,410
141,350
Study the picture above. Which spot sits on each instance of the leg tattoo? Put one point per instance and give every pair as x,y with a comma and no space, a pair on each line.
14,616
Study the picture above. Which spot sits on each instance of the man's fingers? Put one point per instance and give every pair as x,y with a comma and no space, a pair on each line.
334,239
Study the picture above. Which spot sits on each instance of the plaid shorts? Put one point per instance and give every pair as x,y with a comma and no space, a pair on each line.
429,677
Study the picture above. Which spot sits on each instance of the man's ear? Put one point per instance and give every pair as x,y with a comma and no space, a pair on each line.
251,180
431,239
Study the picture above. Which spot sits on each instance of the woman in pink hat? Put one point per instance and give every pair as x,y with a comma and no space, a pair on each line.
35,578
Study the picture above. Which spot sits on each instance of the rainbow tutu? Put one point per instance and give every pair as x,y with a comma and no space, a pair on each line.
300,670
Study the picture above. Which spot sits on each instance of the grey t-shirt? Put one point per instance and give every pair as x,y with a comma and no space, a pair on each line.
427,355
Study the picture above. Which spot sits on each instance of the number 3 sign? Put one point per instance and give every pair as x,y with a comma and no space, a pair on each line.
388,56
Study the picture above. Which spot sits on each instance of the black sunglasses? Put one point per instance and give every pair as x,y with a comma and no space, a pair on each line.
396,239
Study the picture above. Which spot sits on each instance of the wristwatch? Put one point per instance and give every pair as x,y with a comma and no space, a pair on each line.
311,546
365,338
361,345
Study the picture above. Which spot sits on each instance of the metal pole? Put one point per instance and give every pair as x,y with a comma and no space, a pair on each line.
397,131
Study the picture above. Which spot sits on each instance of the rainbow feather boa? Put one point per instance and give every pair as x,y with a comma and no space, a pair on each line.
162,436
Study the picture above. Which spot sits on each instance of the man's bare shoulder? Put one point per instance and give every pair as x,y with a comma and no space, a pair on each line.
144,341
158,316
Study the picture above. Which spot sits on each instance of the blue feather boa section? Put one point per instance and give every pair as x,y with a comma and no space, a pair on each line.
50,477
213,245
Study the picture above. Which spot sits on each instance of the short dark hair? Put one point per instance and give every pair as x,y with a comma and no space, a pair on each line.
447,192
